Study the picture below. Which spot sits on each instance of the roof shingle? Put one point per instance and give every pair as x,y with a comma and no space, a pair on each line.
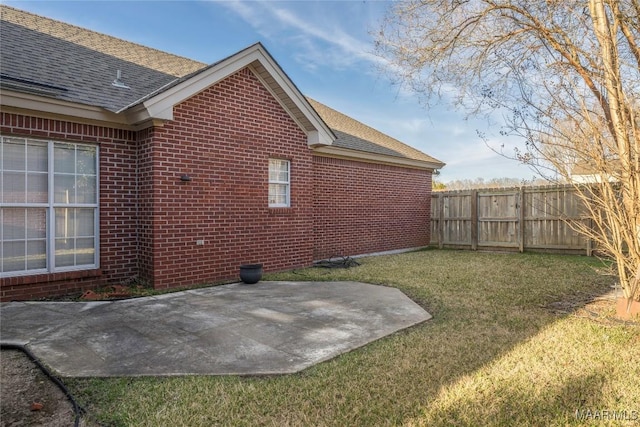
80,74
355,135
133,53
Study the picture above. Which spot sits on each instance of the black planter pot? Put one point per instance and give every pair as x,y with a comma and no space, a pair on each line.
251,273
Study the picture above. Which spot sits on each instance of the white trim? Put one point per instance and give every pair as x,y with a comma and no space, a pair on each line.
322,134
287,183
363,156
50,211
37,105
138,101
161,105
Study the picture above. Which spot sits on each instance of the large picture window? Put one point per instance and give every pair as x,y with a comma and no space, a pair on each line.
279,183
48,206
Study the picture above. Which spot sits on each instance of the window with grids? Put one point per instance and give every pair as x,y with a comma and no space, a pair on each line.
48,206
279,183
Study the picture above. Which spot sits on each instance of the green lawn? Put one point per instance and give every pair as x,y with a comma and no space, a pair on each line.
510,343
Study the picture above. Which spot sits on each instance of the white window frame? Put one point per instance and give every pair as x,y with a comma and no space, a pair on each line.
286,183
50,212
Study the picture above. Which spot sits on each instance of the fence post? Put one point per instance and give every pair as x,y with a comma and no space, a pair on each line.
441,221
474,220
521,217
590,225
589,242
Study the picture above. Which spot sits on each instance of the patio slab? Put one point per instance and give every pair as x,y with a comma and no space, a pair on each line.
236,329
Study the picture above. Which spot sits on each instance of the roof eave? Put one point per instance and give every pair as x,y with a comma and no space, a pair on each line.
364,156
47,107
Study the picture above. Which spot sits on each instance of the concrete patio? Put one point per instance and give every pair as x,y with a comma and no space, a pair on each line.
237,329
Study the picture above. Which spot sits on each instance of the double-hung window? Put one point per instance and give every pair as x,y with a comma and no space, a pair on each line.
279,183
48,206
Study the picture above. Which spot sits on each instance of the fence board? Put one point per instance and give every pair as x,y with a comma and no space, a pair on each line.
518,218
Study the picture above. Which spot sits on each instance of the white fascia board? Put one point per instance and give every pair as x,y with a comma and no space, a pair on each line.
363,156
314,139
322,135
137,114
161,105
55,108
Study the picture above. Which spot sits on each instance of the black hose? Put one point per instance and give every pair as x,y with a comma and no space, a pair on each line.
337,262
77,409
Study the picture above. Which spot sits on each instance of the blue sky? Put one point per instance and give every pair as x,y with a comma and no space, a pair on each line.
325,47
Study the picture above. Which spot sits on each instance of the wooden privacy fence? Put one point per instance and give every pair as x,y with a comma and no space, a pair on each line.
527,218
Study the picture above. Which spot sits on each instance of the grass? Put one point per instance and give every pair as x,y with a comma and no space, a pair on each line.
497,352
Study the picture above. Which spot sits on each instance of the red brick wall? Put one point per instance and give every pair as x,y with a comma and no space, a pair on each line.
145,204
118,239
223,138
362,208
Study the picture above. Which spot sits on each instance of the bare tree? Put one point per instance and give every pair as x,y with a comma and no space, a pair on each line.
478,183
565,74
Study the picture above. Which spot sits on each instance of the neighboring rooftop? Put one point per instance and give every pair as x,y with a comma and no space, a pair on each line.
53,59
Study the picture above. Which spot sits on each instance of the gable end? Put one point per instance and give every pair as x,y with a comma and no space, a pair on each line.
255,58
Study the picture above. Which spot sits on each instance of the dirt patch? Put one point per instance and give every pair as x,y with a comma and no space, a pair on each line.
28,397
599,308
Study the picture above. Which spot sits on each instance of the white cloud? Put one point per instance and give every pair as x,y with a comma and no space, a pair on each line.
325,38
311,28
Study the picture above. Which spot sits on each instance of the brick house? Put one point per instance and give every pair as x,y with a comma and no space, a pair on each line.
120,162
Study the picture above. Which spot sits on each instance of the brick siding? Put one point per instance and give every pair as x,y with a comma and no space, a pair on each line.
223,137
362,208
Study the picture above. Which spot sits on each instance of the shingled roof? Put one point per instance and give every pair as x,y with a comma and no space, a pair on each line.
64,72
355,135
53,59
143,56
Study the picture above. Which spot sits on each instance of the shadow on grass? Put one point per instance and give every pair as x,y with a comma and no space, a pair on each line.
509,403
492,355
